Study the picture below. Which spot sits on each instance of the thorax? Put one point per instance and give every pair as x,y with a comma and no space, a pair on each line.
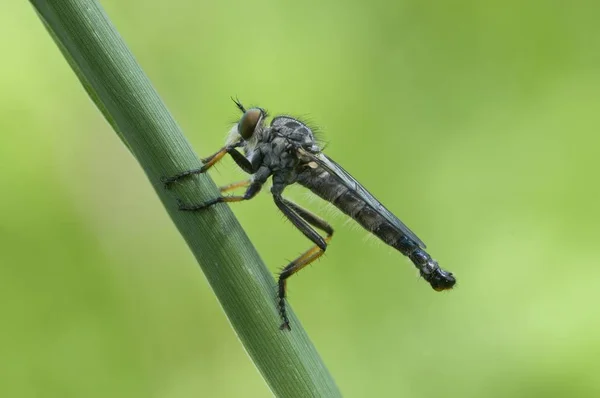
275,151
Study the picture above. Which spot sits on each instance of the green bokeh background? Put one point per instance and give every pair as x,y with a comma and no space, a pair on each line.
475,122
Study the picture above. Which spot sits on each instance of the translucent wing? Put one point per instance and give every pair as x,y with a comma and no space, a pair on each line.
350,182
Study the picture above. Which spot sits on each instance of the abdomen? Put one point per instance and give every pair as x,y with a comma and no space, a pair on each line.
321,183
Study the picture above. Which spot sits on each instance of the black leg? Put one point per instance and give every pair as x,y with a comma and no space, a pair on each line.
242,161
299,222
301,218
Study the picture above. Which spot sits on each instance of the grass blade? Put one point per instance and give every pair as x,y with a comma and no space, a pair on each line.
243,285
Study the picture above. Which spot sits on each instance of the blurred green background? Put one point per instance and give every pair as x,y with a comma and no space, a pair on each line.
477,123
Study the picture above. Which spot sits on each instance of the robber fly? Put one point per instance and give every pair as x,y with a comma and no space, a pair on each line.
287,151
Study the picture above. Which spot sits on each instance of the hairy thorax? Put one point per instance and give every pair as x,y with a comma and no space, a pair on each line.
277,154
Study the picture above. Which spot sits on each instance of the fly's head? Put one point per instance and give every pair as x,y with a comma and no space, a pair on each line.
249,129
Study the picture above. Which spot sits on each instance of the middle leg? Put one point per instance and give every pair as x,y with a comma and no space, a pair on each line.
253,189
235,185
254,186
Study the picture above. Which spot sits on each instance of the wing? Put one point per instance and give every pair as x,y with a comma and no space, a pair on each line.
350,182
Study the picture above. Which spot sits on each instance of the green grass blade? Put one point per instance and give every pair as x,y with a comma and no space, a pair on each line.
243,285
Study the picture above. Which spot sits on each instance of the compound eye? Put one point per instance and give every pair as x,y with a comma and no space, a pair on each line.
248,122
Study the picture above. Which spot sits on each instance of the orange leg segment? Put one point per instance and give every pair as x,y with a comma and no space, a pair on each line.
235,185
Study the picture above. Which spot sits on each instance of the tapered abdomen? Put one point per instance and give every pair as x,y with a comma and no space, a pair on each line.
329,188
321,183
